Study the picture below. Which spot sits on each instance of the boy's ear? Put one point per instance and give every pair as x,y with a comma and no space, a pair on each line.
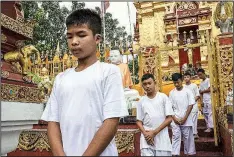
98,37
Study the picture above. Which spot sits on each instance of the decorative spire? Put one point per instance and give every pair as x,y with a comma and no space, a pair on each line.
57,50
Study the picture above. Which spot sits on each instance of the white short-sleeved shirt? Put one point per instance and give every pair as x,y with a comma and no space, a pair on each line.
152,113
203,86
193,87
81,101
181,100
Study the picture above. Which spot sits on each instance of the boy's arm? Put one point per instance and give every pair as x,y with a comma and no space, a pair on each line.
166,122
103,137
55,139
140,126
191,102
149,138
187,114
205,91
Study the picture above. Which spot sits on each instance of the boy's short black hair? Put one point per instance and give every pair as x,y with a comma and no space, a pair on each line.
176,76
85,16
187,74
147,76
201,70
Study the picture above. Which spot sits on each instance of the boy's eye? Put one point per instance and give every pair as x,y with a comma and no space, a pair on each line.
69,37
82,35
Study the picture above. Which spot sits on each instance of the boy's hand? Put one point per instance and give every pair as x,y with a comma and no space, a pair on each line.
182,121
176,120
149,137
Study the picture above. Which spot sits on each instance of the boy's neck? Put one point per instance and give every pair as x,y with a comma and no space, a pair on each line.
188,83
85,63
152,95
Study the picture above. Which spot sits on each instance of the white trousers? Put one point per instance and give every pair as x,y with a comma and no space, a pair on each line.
187,134
194,118
152,152
207,112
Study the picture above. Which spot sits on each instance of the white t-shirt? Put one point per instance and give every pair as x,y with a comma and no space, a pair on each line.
81,101
203,86
193,87
181,100
152,113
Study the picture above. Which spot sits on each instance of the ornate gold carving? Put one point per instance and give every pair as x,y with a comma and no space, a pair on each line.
3,38
19,93
225,72
17,26
4,74
34,139
125,141
147,31
187,6
228,10
22,57
222,116
187,21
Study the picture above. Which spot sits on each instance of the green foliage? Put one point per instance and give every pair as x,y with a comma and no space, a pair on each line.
134,76
50,24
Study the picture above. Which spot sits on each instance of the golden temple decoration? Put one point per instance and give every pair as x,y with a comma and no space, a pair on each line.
125,141
225,61
4,74
22,57
25,29
3,38
38,140
228,10
33,140
19,93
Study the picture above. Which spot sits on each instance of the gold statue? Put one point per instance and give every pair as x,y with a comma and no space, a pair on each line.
22,56
45,84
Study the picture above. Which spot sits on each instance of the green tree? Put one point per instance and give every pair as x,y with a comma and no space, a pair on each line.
50,23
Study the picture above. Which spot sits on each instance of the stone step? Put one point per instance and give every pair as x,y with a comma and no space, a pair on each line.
201,132
205,153
204,144
201,123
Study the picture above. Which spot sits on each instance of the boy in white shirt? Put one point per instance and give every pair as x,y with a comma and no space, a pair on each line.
182,102
193,87
206,99
86,102
154,114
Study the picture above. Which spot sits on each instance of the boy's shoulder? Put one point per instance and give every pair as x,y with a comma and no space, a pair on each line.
162,94
172,91
108,69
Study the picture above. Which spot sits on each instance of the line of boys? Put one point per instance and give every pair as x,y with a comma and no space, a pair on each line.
155,112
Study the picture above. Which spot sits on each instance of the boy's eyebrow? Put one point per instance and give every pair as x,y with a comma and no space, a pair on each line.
79,32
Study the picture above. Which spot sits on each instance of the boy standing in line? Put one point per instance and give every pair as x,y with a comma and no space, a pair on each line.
206,99
182,102
154,114
193,87
86,102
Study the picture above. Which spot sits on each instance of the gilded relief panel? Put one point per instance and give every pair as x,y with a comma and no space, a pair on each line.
147,31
